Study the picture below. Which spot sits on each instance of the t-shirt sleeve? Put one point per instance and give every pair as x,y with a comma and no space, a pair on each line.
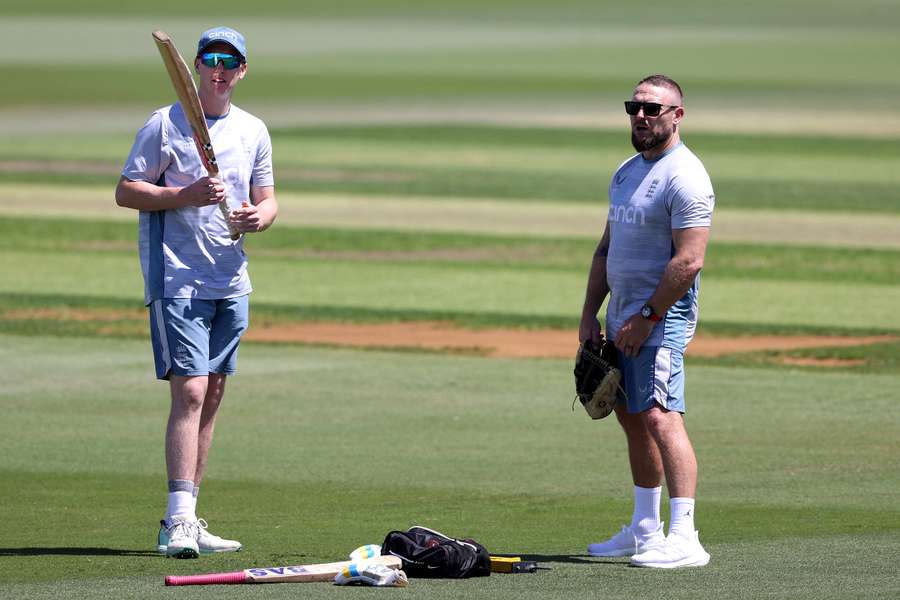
148,160
262,175
692,200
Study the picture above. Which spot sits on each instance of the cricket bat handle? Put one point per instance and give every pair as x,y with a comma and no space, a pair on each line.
209,579
213,170
223,207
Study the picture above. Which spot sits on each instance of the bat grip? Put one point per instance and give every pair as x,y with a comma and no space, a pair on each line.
210,579
223,207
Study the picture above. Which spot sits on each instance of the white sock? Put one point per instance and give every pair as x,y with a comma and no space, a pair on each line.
195,493
682,516
181,500
645,519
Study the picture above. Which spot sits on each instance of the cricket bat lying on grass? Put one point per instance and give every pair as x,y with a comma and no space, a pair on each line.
295,574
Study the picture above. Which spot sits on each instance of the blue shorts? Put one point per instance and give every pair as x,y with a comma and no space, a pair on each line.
193,337
654,376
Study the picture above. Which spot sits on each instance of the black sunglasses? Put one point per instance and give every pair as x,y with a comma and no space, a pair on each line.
651,109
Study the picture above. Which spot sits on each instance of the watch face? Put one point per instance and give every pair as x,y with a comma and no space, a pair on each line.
646,311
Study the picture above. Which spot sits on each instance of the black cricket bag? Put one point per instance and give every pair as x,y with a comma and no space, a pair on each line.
429,553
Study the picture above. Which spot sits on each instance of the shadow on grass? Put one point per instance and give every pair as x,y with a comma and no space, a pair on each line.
582,559
73,551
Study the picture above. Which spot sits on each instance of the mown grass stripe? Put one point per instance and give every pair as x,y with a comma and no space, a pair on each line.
725,260
866,15
477,184
591,139
494,138
17,316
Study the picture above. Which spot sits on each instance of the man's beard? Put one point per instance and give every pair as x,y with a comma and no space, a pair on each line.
650,142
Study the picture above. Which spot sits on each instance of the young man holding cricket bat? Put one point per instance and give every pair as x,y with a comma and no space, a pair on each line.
195,273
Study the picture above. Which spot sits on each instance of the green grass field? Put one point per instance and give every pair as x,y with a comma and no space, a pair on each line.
450,162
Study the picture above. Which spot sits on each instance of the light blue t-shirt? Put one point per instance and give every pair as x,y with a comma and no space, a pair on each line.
187,252
647,200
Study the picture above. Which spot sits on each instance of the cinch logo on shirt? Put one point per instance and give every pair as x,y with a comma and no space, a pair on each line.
620,214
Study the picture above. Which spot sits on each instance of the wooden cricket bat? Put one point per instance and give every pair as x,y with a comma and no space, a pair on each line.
295,574
186,89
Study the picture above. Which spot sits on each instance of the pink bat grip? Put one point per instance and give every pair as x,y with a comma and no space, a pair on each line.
210,579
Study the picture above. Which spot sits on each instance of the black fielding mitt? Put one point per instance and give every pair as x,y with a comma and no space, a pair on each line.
597,377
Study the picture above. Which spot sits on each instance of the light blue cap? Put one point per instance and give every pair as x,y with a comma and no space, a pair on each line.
223,34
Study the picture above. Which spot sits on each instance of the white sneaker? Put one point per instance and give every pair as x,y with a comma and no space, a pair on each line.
626,543
207,542
210,543
678,551
181,538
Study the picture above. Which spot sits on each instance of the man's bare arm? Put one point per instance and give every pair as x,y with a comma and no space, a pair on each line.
682,269
597,290
141,195
690,252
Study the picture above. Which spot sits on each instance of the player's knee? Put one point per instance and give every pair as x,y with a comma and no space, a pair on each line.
188,394
660,421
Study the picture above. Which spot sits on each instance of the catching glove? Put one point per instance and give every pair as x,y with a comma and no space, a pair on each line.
597,378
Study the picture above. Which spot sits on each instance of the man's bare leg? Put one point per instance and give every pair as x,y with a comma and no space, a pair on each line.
675,450
215,391
179,535
646,473
645,530
643,453
682,547
679,464
182,431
